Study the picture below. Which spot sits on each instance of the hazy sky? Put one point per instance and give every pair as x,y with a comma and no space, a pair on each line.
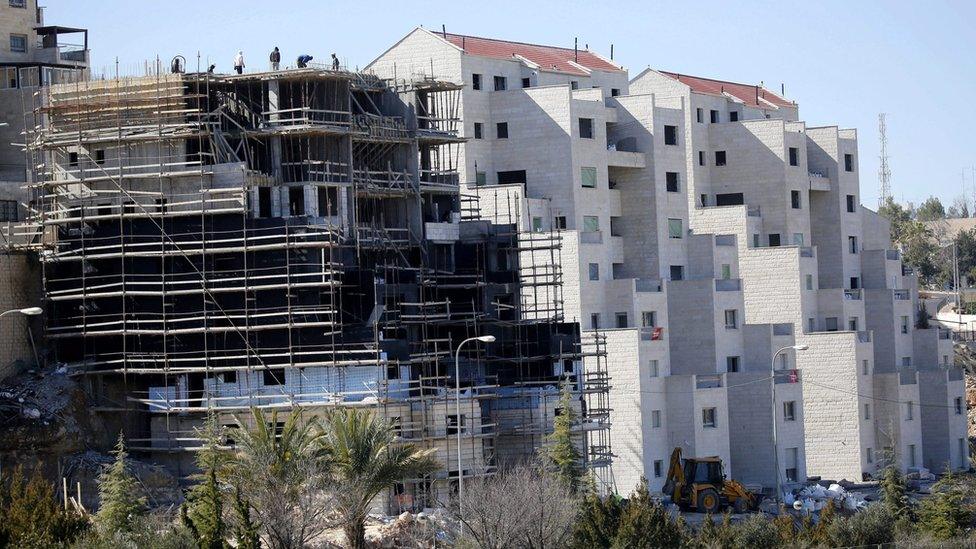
843,61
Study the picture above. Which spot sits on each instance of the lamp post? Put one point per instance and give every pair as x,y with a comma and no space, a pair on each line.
28,311
772,381
457,411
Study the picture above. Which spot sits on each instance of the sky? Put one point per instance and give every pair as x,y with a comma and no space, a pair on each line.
844,62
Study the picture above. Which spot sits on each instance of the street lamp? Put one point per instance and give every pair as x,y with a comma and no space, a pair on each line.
29,311
457,419
772,380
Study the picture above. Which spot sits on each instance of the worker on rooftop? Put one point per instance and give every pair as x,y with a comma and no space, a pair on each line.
303,60
335,62
275,59
239,62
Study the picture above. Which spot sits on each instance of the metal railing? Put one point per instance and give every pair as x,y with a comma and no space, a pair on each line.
728,284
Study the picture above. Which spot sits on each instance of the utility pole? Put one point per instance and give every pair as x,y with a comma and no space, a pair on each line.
884,171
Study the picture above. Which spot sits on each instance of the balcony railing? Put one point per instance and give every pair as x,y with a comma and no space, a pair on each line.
708,382
725,240
786,376
806,251
864,337
647,285
728,284
892,255
652,333
902,295
852,295
945,334
783,329
591,237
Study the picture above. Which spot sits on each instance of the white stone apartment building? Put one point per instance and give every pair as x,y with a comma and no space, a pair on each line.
705,228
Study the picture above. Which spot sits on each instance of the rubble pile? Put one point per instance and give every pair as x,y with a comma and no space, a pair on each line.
423,529
814,497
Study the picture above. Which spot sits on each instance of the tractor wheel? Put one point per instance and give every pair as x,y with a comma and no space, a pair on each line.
708,501
740,506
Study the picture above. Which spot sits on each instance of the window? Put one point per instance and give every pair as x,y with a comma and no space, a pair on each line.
733,116
328,198
501,130
670,135
797,239
792,464
649,319
850,203
677,272
708,418
536,224
865,367
264,202
616,271
719,158
274,376
855,282
8,77
963,454
594,269
658,468
789,410
526,83
867,411
731,364
18,43
911,455
501,83
755,240
8,210
809,279
774,239
904,324
700,115
559,222
615,225
18,3
794,156
849,162
671,179
595,321
614,92
958,405
296,201
726,271
811,325
852,324
945,360
591,223
714,116
73,159
731,319
513,176
795,200
674,228
852,244
476,81
588,177
831,324
586,128
870,455
701,158
654,368
478,130
729,199
574,84
480,178
228,377
621,319
909,411
906,361
655,419
454,425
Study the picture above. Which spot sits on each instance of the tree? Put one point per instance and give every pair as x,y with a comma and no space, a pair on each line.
283,470
930,210
716,536
206,498
945,515
894,496
645,523
365,462
245,530
119,494
870,527
598,520
959,208
562,453
757,532
30,515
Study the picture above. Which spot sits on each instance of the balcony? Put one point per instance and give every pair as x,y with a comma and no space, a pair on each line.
786,376
725,240
819,181
442,232
647,285
945,334
708,382
892,255
902,295
652,333
728,285
625,159
852,295
864,337
52,50
591,237
782,329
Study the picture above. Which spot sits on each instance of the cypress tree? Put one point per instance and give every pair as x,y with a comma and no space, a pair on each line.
645,523
120,496
562,453
206,498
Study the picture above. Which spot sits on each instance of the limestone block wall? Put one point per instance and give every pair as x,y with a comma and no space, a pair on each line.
20,287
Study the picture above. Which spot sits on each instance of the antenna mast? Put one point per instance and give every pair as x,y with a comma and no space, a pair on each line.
884,171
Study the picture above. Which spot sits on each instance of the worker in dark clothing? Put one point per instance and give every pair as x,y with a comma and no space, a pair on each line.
303,60
335,62
239,62
275,59
210,69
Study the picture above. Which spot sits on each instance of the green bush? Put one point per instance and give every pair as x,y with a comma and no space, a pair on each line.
871,526
757,532
645,523
31,515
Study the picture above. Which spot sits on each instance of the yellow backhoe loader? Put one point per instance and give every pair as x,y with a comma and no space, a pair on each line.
699,484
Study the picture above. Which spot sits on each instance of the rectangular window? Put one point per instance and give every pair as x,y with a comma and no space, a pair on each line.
595,321
614,92
792,464
296,201
18,3
588,177
865,367
904,324
731,364
476,81
18,43
670,135
831,324
658,468
708,418
72,159
671,180
559,222
852,324
649,319
513,176
701,158
594,269
714,116
911,455
958,405
811,325
264,201
906,361
855,282
731,319
615,225
794,156
700,115
726,271
909,411
733,116
228,377
789,410
274,376
574,84
621,319
809,279
8,210
867,411
675,229
526,83
774,239
454,425
797,239
655,418
677,272
870,455
586,128
852,244
795,200
99,156
328,198
851,203
849,162
478,130
719,158
536,224
616,271
480,178
501,130
501,83
591,223
654,367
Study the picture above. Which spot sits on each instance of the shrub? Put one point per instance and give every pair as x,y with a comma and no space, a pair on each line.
646,523
871,526
756,532
31,516
598,521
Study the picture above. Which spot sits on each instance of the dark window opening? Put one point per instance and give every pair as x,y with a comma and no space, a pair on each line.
729,199
526,83
700,115
559,222
795,200
501,130
719,158
513,176
264,201
677,272
670,135
733,116
478,130
296,201
476,81
501,83
849,162
851,203
72,159
229,377
672,181
99,156
328,201
701,158
614,92
274,376
714,116
586,128
794,156
774,239
732,364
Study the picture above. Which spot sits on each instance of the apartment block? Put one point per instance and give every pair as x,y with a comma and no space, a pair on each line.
752,308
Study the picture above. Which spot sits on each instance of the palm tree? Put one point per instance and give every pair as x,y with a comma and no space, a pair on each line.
365,462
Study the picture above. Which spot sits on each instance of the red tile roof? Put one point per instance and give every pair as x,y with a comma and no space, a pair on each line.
745,92
549,58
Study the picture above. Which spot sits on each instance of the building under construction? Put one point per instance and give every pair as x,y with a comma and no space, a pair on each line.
296,238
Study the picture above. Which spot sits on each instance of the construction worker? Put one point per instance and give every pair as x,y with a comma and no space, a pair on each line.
275,59
210,69
303,60
335,62
239,62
